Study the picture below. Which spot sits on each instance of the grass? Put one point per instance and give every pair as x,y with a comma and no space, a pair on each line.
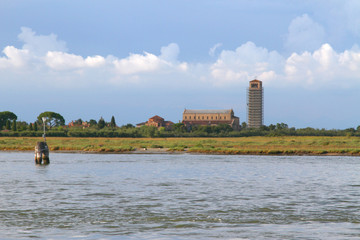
286,145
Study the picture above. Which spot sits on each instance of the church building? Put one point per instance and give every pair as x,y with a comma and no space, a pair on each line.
211,118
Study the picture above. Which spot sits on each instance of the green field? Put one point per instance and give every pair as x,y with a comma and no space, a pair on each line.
286,145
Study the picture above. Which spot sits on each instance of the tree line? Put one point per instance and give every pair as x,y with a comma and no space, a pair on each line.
55,126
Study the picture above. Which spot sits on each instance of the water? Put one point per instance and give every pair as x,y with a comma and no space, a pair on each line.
94,196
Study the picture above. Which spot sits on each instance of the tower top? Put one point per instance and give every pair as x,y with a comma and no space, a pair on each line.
255,84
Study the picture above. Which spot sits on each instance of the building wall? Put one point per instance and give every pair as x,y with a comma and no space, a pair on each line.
210,117
206,116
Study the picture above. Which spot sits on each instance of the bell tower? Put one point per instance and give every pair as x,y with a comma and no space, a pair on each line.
255,104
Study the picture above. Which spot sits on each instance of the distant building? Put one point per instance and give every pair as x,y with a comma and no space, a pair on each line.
79,124
255,104
210,118
156,121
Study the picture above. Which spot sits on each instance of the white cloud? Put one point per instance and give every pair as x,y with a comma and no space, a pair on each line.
66,61
245,63
150,63
213,49
170,53
39,44
14,57
304,35
137,63
323,67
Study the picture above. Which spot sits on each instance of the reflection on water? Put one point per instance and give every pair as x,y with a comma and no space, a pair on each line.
94,196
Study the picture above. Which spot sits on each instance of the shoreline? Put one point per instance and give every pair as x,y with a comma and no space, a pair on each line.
171,152
281,146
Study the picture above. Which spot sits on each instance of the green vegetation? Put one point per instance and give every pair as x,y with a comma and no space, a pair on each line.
6,117
284,145
101,124
112,122
53,119
55,127
105,129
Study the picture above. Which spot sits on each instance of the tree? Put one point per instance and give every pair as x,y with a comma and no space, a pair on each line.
112,122
129,125
30,127
78,122
8,123
21,126
179,127
148,131
272,127
6,115
53,119
101,123
280,126
93,122
35,126
13,127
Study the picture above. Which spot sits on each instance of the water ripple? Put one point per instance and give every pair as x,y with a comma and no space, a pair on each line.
179,197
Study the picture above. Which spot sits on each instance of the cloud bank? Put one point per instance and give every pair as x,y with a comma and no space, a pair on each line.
311,64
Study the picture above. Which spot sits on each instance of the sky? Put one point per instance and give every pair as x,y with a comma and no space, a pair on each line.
136,59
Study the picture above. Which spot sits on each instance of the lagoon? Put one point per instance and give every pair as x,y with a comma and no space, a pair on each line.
179,196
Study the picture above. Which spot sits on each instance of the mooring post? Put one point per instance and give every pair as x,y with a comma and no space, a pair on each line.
42,149
42,153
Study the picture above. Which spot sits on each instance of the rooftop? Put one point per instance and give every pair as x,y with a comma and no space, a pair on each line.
219,111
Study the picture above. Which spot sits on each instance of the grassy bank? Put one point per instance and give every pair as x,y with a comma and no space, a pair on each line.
247,145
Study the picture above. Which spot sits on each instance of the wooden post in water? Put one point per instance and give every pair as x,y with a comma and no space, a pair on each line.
42,150
42,153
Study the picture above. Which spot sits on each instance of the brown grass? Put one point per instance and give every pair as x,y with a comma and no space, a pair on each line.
246,145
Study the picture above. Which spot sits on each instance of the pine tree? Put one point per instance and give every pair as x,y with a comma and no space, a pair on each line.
13,127
35,126
101,123
8,123
112,122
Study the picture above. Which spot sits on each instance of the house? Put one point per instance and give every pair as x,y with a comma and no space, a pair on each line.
78,123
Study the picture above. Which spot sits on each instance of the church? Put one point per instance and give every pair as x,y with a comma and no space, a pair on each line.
210,118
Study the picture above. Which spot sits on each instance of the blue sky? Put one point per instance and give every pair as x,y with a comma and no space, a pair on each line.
136,59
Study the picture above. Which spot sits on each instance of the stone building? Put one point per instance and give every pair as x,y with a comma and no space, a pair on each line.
210,118
156,121
255,104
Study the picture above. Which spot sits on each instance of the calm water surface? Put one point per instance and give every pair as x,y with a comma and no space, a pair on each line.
93,196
